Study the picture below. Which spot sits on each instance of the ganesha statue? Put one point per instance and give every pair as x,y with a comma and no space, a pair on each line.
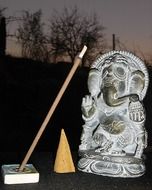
114,136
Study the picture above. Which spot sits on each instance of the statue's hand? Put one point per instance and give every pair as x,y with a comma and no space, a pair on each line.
87,106
134,98
136,110
98,138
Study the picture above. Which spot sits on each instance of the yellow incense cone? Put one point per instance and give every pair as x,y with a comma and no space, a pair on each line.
63,161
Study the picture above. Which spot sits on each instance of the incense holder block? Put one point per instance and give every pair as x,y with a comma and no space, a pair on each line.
11,175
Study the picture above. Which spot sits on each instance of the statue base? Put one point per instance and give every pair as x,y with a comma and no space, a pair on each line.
112,166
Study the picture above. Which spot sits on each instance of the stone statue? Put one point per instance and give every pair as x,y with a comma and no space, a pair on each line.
114,136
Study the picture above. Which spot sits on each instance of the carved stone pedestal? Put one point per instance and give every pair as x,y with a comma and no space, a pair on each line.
112,166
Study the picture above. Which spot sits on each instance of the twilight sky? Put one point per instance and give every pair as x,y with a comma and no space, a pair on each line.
129,20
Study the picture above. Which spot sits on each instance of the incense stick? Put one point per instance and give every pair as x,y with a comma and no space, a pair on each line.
53,107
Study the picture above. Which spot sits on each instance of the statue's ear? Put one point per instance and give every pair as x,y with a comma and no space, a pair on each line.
138,73
137,82
138,77
94,81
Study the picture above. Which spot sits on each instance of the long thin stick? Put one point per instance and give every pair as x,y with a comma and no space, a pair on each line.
53,107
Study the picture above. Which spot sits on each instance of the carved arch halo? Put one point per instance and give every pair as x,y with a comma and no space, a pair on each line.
134,62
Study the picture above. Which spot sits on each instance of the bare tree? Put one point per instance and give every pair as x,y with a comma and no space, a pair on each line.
30,35
71,30
3,33
2,36
2,10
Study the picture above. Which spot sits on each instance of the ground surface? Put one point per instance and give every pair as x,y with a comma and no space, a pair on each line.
49,180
